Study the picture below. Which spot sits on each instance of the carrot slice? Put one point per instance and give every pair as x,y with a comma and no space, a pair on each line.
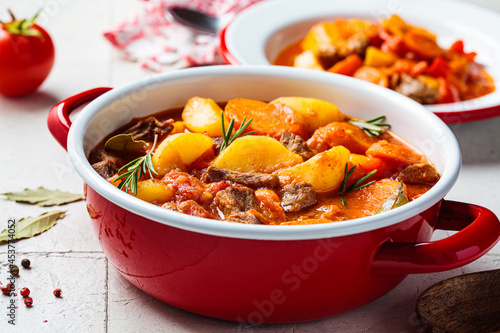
385,168
270,205
367,201
341,134
422,45
347,66
268,119
401,156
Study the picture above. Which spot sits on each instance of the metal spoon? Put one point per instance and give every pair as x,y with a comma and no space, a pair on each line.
197,21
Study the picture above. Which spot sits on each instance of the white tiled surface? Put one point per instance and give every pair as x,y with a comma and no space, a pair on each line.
95,297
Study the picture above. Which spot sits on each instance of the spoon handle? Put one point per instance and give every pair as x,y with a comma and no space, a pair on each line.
196,21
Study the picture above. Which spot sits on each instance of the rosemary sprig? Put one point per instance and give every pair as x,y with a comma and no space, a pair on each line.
371,127
226,135
356,186
141,166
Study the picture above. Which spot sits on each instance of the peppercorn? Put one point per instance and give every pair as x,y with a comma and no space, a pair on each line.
14,270
25,292
7,289
28,301
57,292
25,263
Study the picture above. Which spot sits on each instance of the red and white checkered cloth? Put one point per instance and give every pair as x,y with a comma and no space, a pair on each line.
159,44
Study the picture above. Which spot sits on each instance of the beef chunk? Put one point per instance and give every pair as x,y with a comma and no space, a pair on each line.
236,199
106,169
102,154
147,128
214,174
250,217
415,89
105,163
297,196
217,144
297,145
421,173
355,44
328,54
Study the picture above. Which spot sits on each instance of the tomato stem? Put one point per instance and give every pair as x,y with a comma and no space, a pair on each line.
11,14
22,27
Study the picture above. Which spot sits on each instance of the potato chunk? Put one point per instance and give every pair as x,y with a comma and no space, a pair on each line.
179,150
377,58
307,59
324,172
202,115
322,38
154,191
256,154
315,112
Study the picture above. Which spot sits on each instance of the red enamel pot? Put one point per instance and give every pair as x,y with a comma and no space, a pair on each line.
271,274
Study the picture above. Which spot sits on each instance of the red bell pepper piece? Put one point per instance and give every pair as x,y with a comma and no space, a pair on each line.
457,47
439,67
419,68
448,92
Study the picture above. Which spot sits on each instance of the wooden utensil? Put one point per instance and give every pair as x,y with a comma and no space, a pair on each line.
466,303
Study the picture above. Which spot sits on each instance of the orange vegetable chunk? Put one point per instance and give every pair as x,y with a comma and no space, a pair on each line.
366,201
422,45
347,66
341,134
268,119
270,205
398,154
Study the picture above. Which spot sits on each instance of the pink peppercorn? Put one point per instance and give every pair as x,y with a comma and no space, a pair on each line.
28,301
25,292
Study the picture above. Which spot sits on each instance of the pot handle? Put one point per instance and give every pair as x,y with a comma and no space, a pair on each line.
478,231
58,119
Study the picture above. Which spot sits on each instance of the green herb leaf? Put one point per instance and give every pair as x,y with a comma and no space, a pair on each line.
356,186
122,142
134,170
397,199
31,226
43,197
226,135
372,127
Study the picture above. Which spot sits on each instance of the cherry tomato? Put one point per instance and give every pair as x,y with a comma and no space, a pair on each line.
26,57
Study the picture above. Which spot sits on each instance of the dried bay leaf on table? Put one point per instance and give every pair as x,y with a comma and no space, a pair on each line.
43,197
30,226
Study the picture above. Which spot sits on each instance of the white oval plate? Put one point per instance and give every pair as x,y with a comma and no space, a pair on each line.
260,32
